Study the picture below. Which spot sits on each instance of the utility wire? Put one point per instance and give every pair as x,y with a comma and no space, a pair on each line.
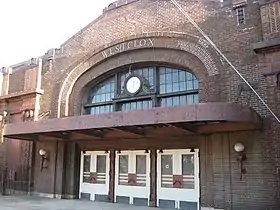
223,56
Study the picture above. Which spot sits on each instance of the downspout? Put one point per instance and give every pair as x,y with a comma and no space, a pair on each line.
55,169
32,151
64,172
230,174
6,171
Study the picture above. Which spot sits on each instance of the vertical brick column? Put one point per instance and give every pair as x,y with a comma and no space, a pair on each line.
111,193
153,178
5,78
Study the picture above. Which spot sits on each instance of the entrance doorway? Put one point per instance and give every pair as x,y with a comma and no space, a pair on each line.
178,179
94,175
132,185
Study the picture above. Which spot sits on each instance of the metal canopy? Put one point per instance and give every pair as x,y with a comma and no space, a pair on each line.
194,119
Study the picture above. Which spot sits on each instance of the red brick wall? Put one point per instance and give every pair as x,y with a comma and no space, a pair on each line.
219,22
146,17
160,18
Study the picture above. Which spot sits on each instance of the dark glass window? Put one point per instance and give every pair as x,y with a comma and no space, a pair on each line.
103,92
179,100
100,109
188,171
141,164
167,171
101,169
161,86
240,13
147,73
86,169
101,164
174,80
123,169
137,105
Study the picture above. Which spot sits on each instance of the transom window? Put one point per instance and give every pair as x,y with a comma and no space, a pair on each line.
158,87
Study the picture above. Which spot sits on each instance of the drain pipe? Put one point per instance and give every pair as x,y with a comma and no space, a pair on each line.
55,169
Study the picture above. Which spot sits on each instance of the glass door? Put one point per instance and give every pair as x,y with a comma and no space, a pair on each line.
94,176
132,178
178,179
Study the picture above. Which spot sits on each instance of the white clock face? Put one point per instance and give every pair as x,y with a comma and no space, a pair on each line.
133,85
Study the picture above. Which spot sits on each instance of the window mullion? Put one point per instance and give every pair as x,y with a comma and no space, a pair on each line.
117,90
99,104
156,82
188,92
175,83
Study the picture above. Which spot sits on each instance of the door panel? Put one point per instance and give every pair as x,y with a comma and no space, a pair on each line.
178,179
141,170
123,169
132,175
94,176
167,171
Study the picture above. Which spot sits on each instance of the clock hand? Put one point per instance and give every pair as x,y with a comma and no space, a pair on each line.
134,83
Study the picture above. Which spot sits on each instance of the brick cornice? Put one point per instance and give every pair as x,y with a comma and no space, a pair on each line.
21,94
266,45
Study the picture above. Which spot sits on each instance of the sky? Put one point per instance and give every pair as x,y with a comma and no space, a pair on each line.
28,28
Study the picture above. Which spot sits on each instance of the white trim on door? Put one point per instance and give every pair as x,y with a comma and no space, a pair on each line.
101,187
141,190
166,193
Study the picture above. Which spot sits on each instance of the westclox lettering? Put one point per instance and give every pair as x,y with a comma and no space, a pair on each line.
134,44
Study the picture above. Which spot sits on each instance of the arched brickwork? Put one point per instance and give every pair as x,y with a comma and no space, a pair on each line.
150,56
194,46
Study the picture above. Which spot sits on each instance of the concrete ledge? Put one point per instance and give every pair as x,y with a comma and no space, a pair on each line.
22,94
47,195
260,46
234,113
264,2
69,196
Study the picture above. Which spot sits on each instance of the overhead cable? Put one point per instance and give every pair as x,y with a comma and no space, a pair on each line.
224,57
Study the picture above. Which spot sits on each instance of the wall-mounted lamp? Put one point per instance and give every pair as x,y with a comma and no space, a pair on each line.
3,116
240,149
3,121
44,158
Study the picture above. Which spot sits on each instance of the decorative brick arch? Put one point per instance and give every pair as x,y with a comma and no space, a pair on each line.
192,45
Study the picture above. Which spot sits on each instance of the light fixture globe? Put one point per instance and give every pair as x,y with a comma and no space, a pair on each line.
42,152
239,147
5,114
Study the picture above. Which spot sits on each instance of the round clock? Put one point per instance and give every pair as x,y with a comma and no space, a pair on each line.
133,85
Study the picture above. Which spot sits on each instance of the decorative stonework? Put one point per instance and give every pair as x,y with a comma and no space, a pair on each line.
269,19
117,4
99,72
6,70
176,41
198,51
155,15
129,45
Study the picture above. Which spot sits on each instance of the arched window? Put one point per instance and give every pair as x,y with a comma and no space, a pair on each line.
143,88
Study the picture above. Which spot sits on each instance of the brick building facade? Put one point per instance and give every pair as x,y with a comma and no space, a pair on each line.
47,142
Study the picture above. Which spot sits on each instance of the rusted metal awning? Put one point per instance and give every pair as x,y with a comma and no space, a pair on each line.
190,119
